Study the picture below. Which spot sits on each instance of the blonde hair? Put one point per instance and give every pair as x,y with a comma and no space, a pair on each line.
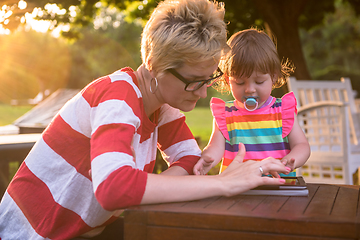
183,31
253,50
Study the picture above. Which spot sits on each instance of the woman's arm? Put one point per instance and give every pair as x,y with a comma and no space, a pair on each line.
300,149
176,142
237,178
212,155
175,171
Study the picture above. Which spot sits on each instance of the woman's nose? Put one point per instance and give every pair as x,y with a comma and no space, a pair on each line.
201,92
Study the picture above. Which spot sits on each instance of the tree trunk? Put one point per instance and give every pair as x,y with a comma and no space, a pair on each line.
282,18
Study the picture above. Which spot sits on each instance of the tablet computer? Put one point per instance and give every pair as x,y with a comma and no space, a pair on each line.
290,183
294,186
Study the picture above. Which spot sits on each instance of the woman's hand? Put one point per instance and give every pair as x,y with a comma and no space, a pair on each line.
237,178
241,176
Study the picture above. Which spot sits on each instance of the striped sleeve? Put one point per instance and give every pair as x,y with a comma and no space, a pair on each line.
115,117
176,142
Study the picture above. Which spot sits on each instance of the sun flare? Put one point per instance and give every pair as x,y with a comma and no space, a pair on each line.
29,18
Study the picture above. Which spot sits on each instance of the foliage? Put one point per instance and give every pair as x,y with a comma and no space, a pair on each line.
31,63
332,51
103,51
282,17
110,39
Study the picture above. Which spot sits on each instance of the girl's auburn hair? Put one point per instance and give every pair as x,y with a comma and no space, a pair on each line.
253,50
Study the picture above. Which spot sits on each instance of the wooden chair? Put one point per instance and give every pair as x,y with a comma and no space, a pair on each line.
325,125
311,91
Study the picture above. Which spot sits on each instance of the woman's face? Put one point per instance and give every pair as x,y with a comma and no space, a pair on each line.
171,89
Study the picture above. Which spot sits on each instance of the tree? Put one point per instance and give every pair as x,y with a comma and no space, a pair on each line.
31,63
282,17
102,51
333,51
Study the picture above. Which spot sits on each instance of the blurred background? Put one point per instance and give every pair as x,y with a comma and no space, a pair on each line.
46,45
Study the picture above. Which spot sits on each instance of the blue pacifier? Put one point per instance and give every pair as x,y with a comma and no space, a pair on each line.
250,104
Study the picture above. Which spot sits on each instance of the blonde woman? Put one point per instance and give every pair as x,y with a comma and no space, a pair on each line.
97,155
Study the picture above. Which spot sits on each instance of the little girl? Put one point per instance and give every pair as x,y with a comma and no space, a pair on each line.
267,126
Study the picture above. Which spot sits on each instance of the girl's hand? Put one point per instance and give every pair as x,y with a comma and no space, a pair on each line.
289,163
241,176
203,166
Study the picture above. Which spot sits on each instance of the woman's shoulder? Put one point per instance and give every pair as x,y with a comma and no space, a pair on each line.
118,85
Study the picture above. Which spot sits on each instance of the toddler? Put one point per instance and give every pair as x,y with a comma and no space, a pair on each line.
267,126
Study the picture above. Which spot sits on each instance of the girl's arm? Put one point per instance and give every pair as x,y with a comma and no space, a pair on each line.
212,153
300,149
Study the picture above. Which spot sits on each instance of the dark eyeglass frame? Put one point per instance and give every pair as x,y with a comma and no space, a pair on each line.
201,82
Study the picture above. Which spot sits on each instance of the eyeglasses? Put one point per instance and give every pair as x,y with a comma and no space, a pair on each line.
195,85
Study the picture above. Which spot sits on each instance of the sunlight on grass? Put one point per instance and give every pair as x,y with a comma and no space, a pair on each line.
199,121
9,114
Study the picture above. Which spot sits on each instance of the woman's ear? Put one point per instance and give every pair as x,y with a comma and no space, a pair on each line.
150,68
148,65
153,73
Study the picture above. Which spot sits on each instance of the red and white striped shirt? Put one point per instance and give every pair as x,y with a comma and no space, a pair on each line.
92,161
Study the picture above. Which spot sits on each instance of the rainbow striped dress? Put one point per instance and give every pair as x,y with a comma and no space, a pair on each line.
263,131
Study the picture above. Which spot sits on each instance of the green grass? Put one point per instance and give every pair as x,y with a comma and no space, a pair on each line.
200,121
9,113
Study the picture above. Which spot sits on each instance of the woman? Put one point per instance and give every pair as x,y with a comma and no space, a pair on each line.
97,155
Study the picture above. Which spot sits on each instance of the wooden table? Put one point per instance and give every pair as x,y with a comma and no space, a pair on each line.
13,148
329,212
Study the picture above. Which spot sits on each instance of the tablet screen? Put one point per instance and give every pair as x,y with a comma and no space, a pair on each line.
290,183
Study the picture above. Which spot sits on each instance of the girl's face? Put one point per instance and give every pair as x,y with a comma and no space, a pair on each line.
258,86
